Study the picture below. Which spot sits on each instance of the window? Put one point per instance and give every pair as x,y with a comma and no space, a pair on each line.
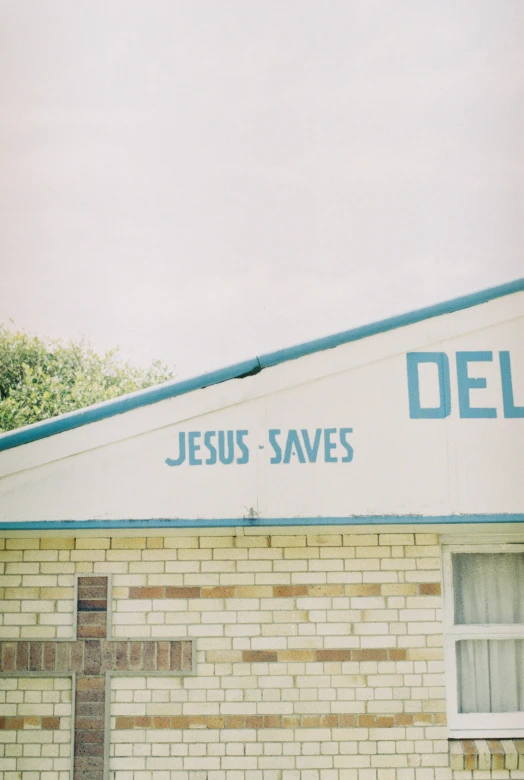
484,640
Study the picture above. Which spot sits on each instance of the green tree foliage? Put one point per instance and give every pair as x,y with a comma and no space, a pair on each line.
41,379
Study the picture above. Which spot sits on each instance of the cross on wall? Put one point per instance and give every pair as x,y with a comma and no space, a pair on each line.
91,657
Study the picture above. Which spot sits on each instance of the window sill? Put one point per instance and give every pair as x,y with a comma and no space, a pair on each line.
486,753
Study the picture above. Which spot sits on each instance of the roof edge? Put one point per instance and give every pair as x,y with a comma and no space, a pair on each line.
152,395
391,323
260,522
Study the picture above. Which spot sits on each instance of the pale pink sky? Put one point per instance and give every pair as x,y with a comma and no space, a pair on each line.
202,181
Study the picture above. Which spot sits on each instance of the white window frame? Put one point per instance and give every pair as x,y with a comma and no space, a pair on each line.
474,725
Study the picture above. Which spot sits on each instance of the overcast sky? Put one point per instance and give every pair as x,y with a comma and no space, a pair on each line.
201,180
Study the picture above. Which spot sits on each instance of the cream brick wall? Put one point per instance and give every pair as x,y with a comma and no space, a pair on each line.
319,655
36,742
36,588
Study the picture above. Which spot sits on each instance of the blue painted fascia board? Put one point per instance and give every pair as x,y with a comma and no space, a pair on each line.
262,522
124,403
76,419
391,323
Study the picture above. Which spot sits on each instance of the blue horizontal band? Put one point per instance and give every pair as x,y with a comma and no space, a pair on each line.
262,522
158,393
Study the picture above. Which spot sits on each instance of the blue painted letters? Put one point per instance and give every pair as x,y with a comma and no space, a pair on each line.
329,445
228,445
416,411
194,448
312,449
208,436
198,448
465,383
293,447
510,410
348,457
244,458
303,447
181,450
277,456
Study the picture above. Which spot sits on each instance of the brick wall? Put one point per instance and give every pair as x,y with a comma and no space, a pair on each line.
319,655
35,728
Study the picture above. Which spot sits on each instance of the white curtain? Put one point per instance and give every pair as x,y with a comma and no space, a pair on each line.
489,589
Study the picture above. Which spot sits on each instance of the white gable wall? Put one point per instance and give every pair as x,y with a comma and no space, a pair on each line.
116,469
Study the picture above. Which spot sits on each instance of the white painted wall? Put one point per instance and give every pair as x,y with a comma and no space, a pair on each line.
116,468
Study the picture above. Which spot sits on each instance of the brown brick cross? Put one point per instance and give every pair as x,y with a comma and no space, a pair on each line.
91,656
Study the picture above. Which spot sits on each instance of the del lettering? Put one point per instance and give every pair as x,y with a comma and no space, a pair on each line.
465,383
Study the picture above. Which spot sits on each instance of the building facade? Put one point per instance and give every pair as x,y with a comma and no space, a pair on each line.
307,566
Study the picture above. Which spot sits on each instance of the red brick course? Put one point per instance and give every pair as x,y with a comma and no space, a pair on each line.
29,721
278,591
333,721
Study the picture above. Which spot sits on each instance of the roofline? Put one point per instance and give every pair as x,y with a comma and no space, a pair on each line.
152,395
259,522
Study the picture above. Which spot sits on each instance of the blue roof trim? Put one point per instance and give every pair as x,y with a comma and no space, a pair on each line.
124,403
392,323
262,522
152,395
